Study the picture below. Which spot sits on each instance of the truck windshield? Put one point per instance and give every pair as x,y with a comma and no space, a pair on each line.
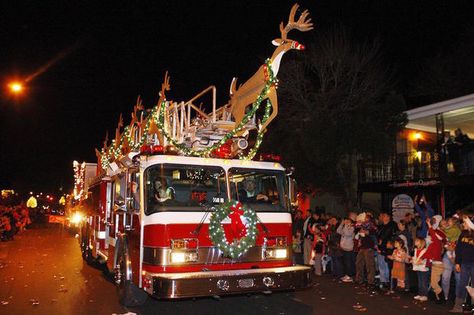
171,187
262,190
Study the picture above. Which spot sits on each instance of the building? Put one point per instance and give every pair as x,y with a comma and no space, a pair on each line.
426,160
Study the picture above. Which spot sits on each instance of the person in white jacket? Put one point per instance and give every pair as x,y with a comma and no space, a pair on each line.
346,230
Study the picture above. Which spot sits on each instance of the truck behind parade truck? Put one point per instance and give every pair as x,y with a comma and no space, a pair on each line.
179,207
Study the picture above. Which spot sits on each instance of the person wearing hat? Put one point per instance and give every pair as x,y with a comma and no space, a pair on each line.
365,259
161,192
434,255
464,263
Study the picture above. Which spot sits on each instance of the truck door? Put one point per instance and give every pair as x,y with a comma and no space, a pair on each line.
115,219
132,222
108,214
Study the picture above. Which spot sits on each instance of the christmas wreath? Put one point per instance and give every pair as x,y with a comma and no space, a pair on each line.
242,233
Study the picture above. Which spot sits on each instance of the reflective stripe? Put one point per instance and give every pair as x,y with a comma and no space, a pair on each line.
100,235
196,217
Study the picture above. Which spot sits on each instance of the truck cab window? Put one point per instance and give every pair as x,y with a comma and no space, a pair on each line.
262,190
134,192
119,193
183,187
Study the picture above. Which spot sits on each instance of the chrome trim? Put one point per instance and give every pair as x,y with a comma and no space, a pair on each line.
207,255
194,284
102,255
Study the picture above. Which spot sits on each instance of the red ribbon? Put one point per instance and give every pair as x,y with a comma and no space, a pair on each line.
237,227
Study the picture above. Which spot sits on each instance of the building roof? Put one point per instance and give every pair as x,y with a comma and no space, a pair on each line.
457,113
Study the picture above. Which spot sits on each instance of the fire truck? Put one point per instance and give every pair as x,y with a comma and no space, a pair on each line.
162,246
180,208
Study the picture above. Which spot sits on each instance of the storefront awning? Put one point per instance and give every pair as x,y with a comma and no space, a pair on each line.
457,113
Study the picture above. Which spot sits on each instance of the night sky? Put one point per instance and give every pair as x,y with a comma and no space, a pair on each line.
107,55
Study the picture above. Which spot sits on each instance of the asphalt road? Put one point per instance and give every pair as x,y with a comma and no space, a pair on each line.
42,272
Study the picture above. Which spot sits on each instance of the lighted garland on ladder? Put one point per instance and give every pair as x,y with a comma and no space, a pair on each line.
217,234
106,157
207,151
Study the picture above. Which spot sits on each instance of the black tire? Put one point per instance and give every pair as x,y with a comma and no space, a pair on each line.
86,251
83,244
128,293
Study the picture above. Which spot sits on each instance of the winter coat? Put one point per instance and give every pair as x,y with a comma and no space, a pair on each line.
347,236
435,249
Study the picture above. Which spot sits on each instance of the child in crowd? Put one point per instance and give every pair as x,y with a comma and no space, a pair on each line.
319,249
399,258
422,271
297,248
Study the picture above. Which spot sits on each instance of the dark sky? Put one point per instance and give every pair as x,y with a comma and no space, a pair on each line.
114,51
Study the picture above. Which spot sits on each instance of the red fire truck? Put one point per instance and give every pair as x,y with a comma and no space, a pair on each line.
149,223
179,208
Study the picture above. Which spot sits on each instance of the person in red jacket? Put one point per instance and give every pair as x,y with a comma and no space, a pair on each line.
434,254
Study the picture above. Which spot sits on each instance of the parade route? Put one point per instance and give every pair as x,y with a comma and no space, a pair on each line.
42,272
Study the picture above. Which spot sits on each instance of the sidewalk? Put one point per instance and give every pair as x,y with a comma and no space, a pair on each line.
330,296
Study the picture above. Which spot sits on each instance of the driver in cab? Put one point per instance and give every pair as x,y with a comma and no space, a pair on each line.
249,192
163,193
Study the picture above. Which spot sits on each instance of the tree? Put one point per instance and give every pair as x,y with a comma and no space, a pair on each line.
450,73
337,107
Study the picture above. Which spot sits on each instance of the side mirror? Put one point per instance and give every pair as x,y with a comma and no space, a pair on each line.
292,191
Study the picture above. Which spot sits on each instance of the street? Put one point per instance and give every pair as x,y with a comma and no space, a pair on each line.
42,272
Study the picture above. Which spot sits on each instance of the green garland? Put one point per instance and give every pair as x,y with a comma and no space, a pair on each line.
183,149
217,234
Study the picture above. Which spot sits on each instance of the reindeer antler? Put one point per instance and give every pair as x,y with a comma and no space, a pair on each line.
303,24
106,139
165,86
120,122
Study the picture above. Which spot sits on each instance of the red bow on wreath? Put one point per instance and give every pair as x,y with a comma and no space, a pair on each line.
237,227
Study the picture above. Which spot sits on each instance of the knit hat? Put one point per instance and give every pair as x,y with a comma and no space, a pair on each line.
437,219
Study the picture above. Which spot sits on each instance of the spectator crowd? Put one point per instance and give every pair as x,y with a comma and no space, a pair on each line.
13,220
424,253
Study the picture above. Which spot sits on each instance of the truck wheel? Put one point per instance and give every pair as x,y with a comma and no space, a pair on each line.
83,245
86,251
128,293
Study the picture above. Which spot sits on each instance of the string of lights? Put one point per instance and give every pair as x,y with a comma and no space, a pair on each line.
157,116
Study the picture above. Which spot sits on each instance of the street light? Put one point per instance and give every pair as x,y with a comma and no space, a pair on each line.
15,87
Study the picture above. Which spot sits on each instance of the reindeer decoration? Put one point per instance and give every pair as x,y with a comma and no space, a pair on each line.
187,129
247,93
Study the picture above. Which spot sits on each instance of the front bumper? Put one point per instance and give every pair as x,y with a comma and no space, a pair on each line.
210,283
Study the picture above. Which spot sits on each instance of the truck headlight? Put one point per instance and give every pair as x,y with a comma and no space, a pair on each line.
183,257
281,253
76,218
276,253
179,257
275,247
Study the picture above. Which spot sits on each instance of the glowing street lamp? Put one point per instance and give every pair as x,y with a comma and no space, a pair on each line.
16,87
